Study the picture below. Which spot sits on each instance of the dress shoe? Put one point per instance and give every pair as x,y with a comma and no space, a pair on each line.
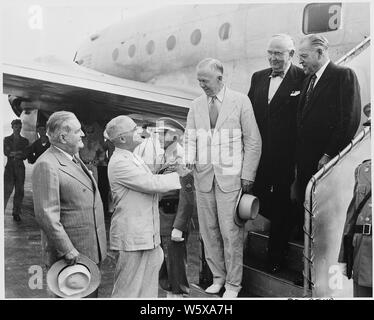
214,288
230,294
16,217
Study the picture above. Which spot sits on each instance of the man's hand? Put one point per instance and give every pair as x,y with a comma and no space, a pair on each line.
325,158
190,166
182,170
176,235
343,268
247,186
71,257
113,254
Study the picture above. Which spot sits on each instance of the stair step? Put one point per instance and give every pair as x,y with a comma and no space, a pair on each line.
256,249
260,283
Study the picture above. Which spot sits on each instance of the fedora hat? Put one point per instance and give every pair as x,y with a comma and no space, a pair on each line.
74,281
246,208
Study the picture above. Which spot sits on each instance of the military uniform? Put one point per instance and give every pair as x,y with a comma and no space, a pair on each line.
14,173
361,230
176,208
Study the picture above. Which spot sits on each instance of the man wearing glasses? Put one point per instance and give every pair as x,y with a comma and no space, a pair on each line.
274,94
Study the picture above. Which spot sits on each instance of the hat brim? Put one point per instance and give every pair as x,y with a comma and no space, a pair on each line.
237,219
58,266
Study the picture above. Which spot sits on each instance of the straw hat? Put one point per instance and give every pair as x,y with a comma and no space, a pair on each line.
75,281
246,208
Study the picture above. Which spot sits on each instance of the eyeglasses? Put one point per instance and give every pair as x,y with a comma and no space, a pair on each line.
276,54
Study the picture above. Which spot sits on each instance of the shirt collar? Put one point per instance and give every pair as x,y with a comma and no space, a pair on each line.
68,155
321,70
220,95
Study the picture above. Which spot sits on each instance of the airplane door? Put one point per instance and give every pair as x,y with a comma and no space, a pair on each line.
325,18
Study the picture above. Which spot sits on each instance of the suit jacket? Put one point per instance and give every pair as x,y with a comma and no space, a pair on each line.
362,244
136,222
36,149
277,124
331,119
67,207
232,151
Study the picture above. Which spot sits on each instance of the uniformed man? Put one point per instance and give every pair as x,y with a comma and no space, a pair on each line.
176,208
15,149
356,249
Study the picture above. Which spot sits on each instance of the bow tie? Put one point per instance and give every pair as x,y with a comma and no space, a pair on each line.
277,74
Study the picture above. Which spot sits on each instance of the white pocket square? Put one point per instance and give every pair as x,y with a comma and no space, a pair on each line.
294,93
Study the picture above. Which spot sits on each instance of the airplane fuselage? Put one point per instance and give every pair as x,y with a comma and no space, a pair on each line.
164,47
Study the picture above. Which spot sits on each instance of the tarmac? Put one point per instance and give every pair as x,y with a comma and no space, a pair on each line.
25,277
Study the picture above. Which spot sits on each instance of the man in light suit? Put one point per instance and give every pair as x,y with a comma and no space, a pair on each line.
274,94
135,226
328,113
67,201
223,145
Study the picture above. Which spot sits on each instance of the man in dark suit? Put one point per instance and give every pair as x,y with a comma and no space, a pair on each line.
67,201
38,146
328,113
274,94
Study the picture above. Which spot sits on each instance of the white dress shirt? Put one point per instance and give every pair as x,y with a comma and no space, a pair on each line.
275,82
320,72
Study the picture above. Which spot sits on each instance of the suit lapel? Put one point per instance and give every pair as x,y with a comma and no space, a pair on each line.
226,109
204,112
70,168
285,87
322,83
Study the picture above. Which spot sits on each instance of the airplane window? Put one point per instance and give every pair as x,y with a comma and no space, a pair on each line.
196,37
224,31
150,47
115,54
322,17
171,42
132,50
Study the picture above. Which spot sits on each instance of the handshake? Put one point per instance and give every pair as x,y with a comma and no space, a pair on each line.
176,166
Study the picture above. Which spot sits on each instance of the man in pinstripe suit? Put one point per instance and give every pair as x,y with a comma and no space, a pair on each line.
67,201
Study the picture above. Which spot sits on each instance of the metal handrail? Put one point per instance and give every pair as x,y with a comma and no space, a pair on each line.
308,211
352,53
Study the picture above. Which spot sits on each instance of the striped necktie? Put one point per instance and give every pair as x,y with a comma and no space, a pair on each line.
213,112
309,91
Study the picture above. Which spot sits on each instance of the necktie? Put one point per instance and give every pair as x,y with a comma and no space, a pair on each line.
309,91
277,74
213,112
75,160
78,163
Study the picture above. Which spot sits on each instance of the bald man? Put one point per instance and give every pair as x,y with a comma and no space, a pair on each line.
274,94
135,225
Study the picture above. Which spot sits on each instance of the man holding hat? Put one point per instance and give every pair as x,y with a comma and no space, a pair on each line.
67,202
135,226
223,145
15,149
176,208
